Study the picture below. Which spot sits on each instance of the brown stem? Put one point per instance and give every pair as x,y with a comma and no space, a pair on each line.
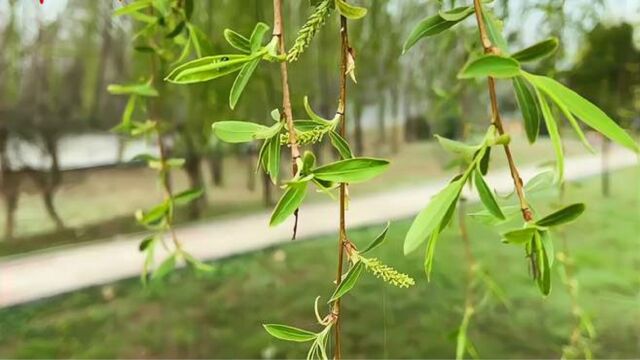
489,48
164,171
342,241
278,31
471,260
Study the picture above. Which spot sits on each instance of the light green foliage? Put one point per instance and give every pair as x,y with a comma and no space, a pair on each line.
430,221
168,20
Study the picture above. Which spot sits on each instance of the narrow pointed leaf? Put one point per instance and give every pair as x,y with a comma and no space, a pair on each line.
519,236
187,196
495,30
429,219
241,81
273,165
377,241
429,26
554,135
528,107
562,216
457,14
289,333
165,268
257,36
351,170
486,196
142,89
207,68
547,245
350,11
341,145
576,127
348,282
537,51
288,203
583,110
238,41
490,65
238,131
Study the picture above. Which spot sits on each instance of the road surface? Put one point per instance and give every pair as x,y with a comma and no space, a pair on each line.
35,276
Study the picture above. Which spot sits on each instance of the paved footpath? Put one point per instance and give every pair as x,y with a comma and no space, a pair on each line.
43,274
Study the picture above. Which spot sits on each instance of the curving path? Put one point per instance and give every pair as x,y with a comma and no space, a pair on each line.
38,275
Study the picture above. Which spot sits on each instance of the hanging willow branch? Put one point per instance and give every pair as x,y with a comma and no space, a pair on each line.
278,32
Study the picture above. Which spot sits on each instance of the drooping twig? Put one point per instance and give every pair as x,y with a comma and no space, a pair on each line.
489,48
278,31
342,240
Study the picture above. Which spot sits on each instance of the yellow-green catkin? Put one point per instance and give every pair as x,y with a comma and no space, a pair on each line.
309,30
387,273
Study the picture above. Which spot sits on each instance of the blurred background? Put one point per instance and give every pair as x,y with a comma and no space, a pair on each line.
69,185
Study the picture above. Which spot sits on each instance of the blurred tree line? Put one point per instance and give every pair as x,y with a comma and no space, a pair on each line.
54,73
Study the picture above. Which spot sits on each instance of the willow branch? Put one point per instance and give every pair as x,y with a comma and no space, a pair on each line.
165,180
489,48
342,240
278,31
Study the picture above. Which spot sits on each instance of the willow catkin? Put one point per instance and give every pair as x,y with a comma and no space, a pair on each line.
309,30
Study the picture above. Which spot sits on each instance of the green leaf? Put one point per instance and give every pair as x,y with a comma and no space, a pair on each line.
165,268
528,107
289,202
315,118
348,282
351,170
485,217
429,219
457,14
494,30
133,7
143,89
200,41
350,11
539,182
483,165
273,158
554,135
430,26
544,276
207,68
490,65
562,216
144,244
237,41
486,196
308,162
377,241
340,144
576,127
429,253
519,236
466,152
547,245
241,81
583,109
257,36
238,131
196,264
176,31
187,196
537,51
153,216
289,333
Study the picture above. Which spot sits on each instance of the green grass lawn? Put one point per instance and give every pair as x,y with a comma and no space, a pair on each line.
219,315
